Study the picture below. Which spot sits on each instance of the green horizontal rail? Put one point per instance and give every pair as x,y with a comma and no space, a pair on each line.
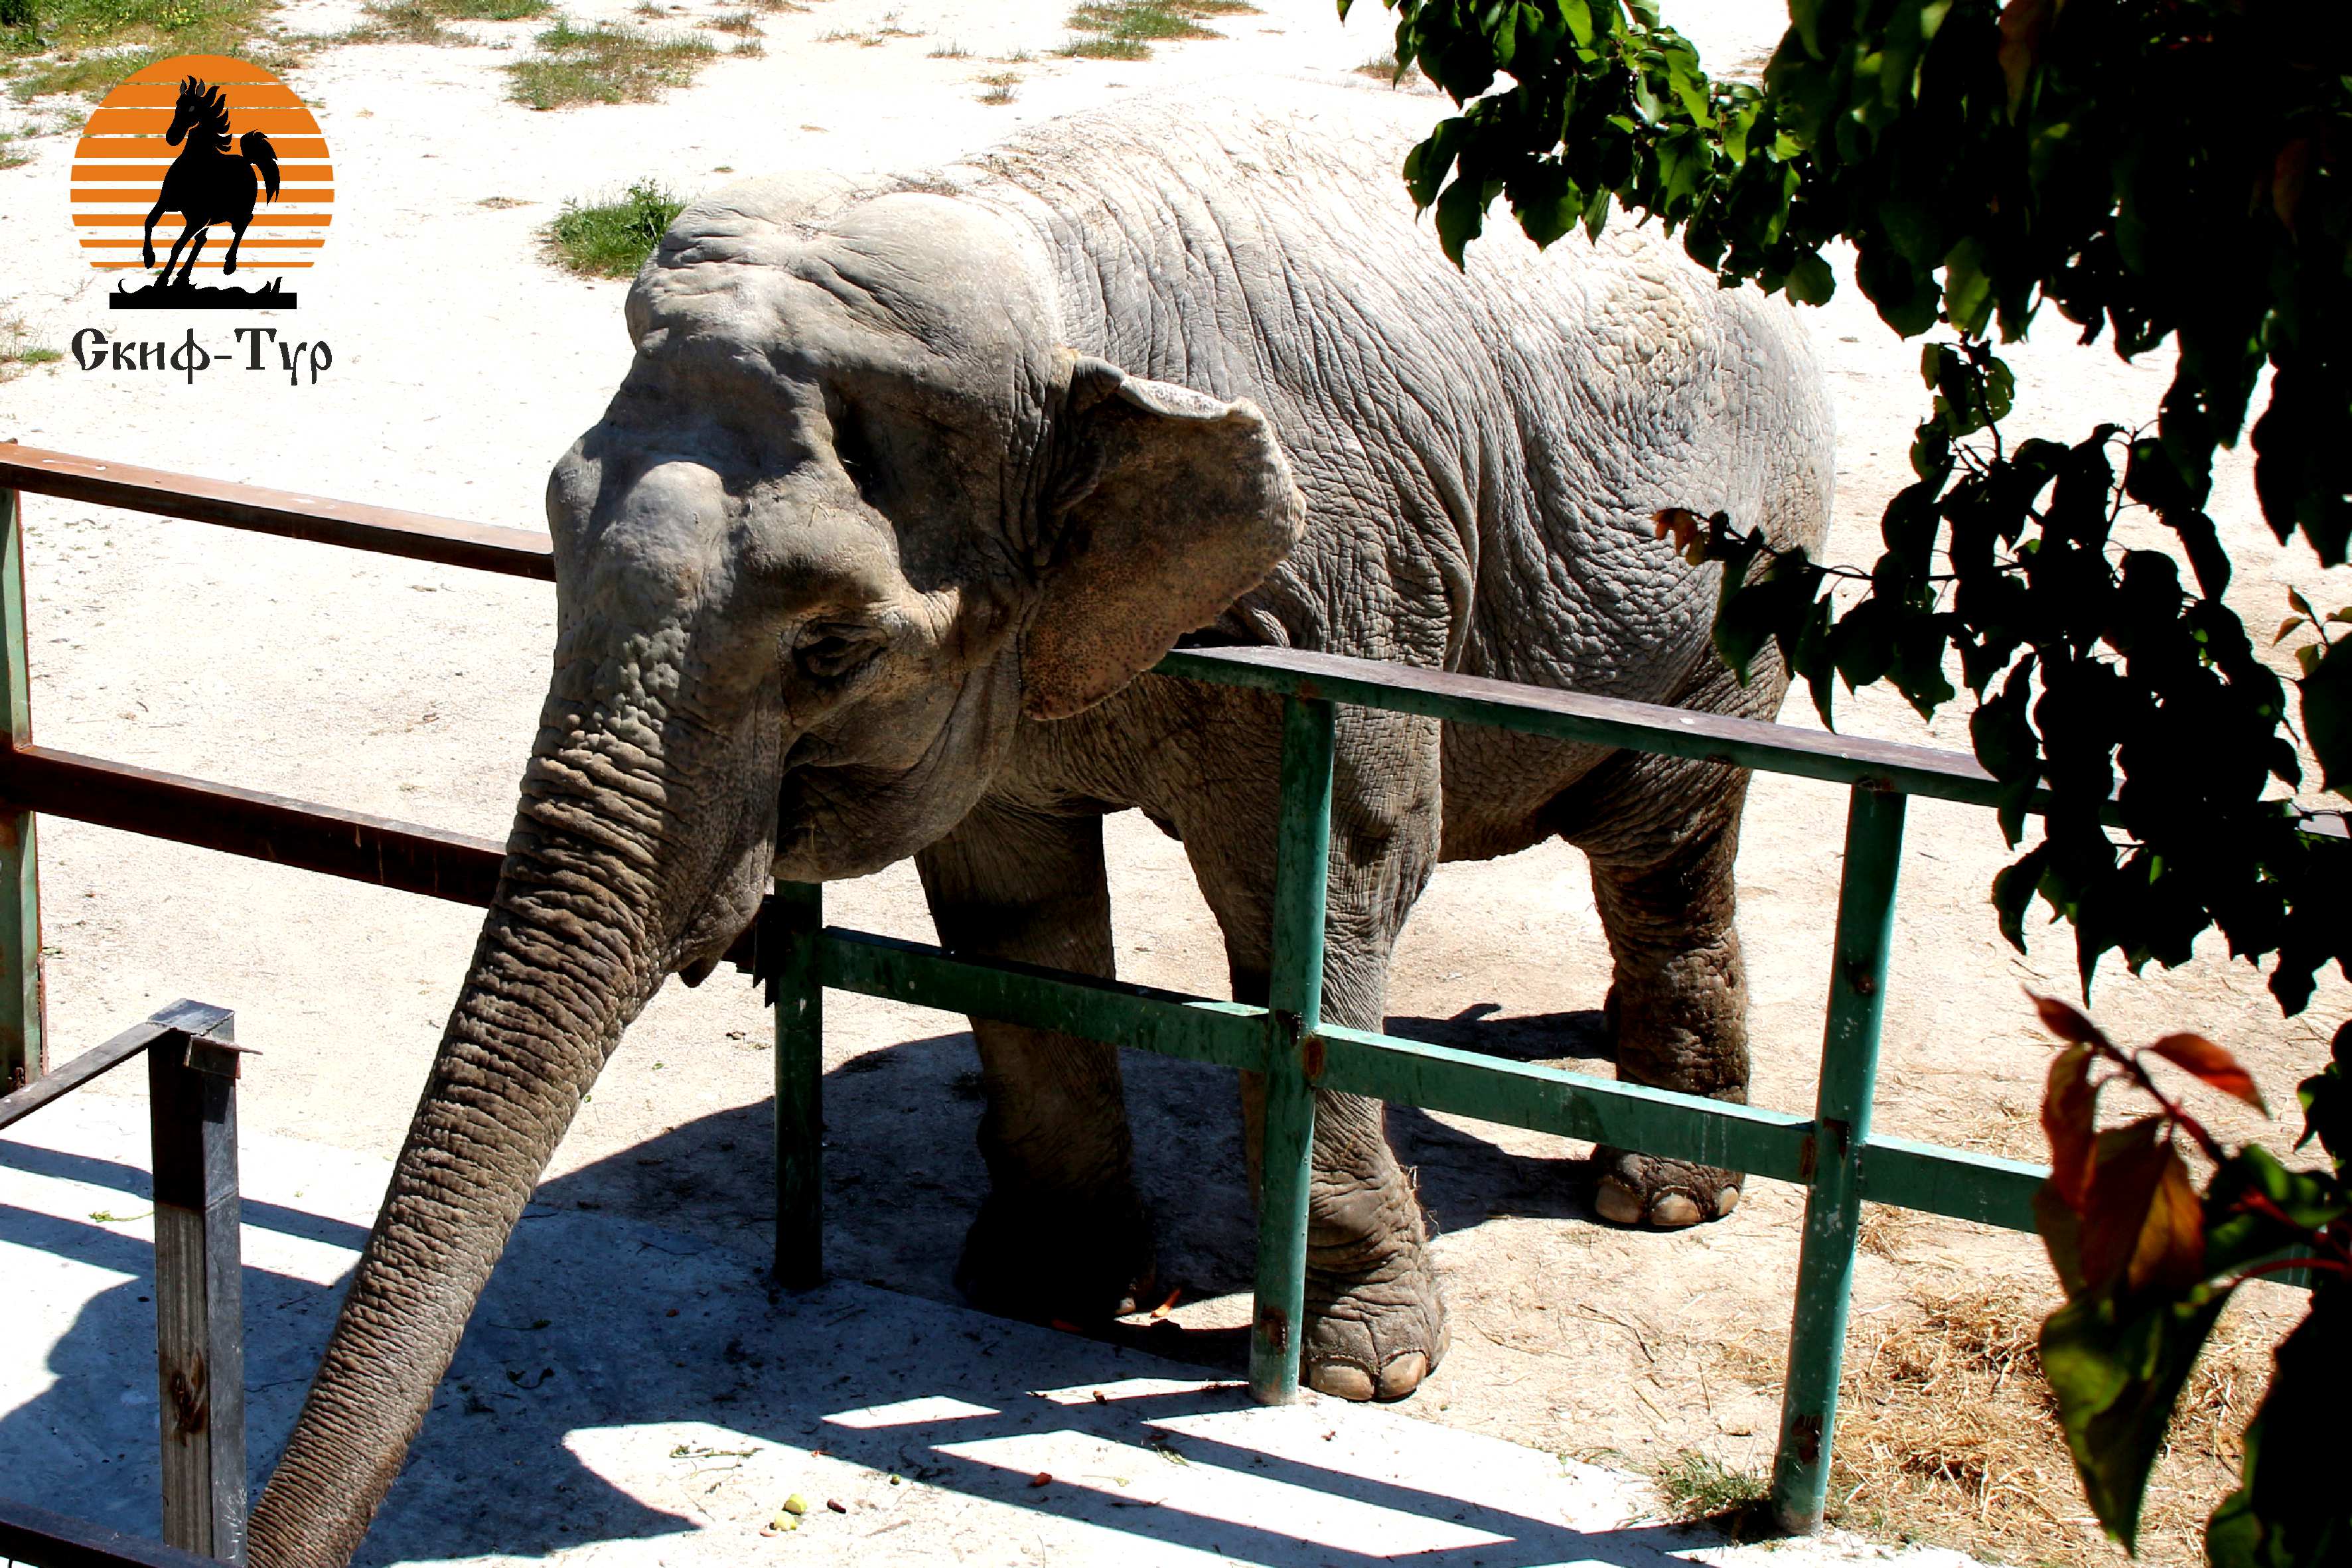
1769,1143
1171,1023
1955,1182
1613,722
1573,1105
1598,721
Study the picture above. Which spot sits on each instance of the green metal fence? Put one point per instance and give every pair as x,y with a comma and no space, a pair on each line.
1832,1153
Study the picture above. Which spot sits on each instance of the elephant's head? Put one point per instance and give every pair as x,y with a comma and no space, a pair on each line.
857,511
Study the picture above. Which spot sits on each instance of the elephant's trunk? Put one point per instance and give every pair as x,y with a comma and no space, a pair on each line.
582,931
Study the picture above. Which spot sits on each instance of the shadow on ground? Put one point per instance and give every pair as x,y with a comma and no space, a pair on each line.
597,1321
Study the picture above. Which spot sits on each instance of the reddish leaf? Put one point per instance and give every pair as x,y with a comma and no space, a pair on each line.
2213,1066
2066,1022
2170,1256
2022,22
2061,1234
1681,523
2289,171
2127,1166
2069,1107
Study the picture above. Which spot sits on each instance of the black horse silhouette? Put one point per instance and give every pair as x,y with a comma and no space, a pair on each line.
207,183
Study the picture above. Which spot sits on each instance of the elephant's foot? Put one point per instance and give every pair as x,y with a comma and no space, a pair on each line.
1046,1257
1643,1189
1375,1322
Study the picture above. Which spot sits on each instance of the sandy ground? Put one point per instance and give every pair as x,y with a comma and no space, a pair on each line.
463,364
668,1419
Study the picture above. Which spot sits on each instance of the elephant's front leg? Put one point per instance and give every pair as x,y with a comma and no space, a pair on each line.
1061,1232
1375,1321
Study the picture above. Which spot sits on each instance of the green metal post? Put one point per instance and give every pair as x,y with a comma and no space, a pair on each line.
1865,924
1294,995
792,951
23,1053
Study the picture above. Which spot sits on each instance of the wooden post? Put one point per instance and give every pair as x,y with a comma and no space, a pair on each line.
199,1294
23,1056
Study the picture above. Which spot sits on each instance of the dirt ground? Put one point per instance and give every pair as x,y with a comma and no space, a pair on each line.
464,363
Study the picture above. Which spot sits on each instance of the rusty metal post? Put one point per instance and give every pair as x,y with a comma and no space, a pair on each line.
1865,930
23,1053
199,1294
793,921
1295,996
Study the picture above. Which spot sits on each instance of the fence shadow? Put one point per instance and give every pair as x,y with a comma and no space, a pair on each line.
598,1323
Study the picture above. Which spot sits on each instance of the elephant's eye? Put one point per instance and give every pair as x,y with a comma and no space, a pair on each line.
831,651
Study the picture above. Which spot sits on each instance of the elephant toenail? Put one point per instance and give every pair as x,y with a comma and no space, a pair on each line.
1673,1211
1341,1381
1726,1201
1617,1203
1403,1376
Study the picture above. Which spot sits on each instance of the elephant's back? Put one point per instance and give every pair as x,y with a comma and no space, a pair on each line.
1481,449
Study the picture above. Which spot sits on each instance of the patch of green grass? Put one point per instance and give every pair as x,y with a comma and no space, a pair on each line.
1126,29
1000,86
404,22
606,62
741,23
422,21
12,155
1383,67
612,239
19,353
88,46
1697,1487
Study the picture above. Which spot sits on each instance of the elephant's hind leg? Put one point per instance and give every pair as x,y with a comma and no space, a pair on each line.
1661,834
1061,1232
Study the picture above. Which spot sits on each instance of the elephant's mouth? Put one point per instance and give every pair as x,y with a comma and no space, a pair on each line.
722,917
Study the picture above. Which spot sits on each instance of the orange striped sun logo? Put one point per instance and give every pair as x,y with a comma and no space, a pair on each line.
205,165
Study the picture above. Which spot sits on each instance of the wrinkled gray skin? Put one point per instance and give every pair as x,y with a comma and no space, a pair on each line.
911,479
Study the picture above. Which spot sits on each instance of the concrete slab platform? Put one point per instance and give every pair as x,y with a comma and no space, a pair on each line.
632,1398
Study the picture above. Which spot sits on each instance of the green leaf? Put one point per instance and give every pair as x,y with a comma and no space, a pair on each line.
2013,890
1461,215
1579,22
2327,688
2001,733
2292,1509
2326,1098
1811,281
1426,164
2117,1369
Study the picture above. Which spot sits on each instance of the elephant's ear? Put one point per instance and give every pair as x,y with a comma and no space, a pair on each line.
1171,505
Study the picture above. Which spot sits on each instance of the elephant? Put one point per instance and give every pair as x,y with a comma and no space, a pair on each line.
910,480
